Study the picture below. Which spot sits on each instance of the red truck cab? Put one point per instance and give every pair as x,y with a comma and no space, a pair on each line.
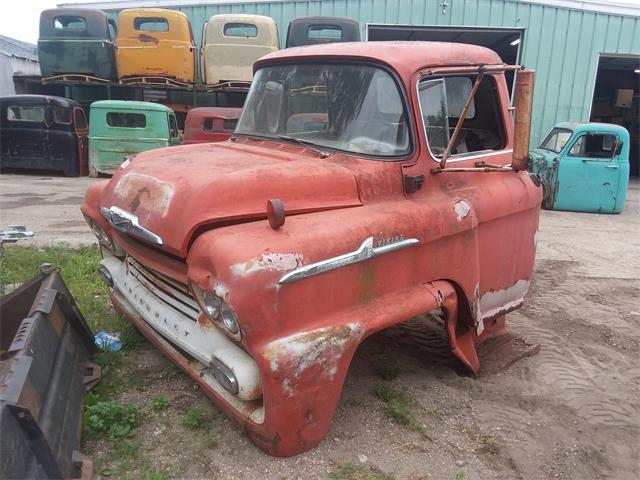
210,124
365,183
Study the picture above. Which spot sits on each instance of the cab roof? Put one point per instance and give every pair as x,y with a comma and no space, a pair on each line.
151,12
130,105
591,126
404,57
39,100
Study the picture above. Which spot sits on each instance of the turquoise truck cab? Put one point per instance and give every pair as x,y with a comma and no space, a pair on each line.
584,167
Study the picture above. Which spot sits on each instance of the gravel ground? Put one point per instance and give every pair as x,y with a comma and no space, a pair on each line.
570,412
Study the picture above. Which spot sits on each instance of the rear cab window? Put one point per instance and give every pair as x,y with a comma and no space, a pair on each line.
126,120
151,24
229,124
69,22
244,30
324,32
442,100
25,114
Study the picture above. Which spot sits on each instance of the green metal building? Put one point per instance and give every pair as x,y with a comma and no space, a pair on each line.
584,52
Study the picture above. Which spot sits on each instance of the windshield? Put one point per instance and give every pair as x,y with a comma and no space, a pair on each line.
556,140
353,108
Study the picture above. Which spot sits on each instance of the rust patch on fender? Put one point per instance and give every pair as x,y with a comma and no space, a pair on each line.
320,349
280,262
136,190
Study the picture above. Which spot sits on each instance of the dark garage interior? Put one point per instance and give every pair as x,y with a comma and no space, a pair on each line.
616,99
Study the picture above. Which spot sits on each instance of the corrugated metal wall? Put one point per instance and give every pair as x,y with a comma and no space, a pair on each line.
561,45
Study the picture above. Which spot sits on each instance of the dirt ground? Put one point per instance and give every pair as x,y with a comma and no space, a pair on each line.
570,412
46,205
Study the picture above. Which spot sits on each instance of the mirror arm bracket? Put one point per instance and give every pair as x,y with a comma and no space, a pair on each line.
463,114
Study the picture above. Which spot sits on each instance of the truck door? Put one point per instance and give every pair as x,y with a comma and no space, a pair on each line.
588,176
82,132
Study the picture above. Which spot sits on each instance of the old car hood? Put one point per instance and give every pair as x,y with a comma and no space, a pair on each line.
177,192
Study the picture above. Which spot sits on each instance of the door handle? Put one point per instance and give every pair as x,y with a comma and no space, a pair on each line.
612,167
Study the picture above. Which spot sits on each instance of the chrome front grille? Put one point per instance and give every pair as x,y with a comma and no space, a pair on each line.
174,294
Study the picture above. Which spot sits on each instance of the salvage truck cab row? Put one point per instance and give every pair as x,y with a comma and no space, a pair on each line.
365,183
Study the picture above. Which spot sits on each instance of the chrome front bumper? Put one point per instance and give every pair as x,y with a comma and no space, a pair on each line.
167,307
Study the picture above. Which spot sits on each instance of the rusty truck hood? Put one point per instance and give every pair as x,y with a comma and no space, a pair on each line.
178,192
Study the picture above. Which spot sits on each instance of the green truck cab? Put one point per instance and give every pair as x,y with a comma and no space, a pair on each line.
119,129
584,167
77,44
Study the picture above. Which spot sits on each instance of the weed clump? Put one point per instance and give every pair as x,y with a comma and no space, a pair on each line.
159,403
112,418
388,368
197,417
398,407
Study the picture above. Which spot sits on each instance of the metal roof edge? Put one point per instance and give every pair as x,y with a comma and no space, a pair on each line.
600,6
122,4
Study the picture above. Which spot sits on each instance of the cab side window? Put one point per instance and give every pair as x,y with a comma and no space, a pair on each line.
601,146
79,119
113,31
173,126
442,100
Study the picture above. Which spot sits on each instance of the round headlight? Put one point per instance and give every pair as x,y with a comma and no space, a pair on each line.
212,305
229,320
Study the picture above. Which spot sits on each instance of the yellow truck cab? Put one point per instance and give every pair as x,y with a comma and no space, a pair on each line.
155,46
231,44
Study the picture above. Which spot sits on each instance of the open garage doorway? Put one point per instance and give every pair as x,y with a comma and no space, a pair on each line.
506,42
616,99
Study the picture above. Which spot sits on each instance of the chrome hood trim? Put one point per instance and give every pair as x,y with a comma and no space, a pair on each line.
126,222
364,252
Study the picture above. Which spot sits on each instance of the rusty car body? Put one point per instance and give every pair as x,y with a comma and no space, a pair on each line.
261,263
231,43
210,124
584,167
314,30
155,46
120,129
41,132
77,44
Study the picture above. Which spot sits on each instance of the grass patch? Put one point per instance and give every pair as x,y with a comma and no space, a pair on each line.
198,417
111,418
159,403
153,475
398,407
78,267
388,368
126,449
459,474
356,471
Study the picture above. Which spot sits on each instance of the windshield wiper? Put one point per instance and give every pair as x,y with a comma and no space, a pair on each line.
305,143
